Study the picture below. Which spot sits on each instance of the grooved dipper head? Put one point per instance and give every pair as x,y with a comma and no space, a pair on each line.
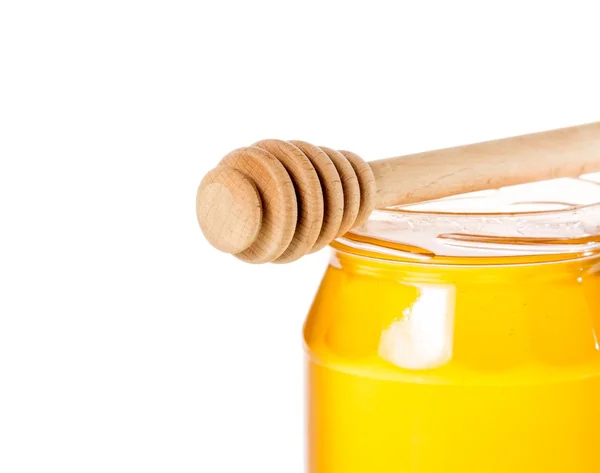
276,201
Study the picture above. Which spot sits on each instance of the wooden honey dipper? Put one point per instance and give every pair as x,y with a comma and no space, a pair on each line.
276,201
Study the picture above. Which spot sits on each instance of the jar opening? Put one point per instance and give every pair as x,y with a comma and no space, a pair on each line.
548,220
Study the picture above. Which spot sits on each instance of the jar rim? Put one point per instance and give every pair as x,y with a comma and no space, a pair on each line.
549,212
570,227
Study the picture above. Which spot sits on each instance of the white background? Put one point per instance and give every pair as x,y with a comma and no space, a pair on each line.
127,344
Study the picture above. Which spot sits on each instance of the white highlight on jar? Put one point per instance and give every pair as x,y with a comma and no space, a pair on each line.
423,337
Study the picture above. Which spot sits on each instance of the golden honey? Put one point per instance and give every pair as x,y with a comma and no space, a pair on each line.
476,362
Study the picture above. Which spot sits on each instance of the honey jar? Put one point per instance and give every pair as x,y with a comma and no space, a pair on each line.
461,336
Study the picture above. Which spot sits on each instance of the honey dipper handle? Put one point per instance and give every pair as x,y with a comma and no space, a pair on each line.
566,152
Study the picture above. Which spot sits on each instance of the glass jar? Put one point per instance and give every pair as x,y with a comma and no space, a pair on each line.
461,336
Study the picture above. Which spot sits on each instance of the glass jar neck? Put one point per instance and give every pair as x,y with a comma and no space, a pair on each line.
477,238
424,268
